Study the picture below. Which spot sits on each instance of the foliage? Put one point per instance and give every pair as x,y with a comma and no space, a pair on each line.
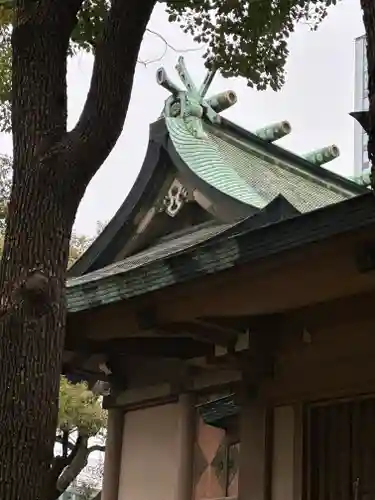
245,38
5,68
89,26
85,490
84,37
5,187
81,417
79,243
80,410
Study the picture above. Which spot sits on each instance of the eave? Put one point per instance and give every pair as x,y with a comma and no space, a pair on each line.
142,274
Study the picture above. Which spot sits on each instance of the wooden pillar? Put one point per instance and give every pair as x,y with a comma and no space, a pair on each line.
186,438
254,462
283,453
298,455
287,464
113,452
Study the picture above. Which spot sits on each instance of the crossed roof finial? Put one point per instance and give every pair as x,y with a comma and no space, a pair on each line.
192,101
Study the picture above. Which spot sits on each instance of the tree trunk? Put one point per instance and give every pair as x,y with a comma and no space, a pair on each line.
32,276
31,339
51,171
368,8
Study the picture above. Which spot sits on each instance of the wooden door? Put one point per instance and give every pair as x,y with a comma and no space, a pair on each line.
341,451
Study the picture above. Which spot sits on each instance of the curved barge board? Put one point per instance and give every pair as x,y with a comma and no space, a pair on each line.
121,227
161,161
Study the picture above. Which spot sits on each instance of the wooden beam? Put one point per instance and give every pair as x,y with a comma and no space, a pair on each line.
245,323
129,359
328,268
253,352
329,272
160,393
331,313
198,329
167,346
203,331
250,363
77,374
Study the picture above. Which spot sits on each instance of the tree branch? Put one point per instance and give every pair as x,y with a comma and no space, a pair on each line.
96,447
60,462
61,440
58,465
70,446
167,45
40,40
66,468
77,463
65,443
103,115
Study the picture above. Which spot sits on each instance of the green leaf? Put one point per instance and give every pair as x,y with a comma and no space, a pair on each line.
247,38
5,74
84,37
79,409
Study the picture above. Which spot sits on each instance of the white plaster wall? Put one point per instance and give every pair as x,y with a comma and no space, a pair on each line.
283,453
149,462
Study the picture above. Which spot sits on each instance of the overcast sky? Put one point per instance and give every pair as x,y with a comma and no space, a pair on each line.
316,99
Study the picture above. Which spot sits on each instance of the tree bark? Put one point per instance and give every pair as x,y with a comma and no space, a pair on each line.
35,255
368,9
51,171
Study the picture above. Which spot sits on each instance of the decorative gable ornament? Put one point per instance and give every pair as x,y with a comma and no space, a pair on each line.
186,113
175,198
191,104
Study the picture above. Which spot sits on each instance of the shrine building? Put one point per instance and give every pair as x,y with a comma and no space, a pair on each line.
230,306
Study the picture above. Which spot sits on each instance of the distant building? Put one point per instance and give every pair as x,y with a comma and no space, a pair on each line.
361,103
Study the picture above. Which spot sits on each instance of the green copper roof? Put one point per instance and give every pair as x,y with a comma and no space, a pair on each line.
250,171
270,176
205,159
